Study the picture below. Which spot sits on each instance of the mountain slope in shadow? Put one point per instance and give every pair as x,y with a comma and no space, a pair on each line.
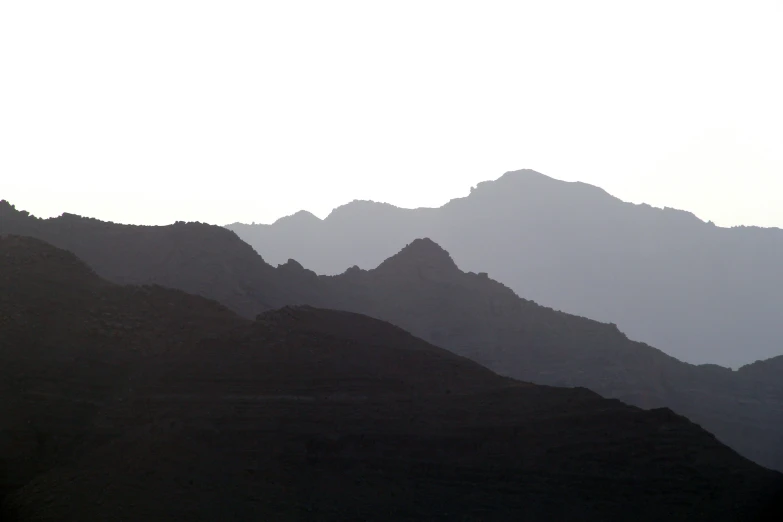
69,343
701,293
423,291
197,258
175,408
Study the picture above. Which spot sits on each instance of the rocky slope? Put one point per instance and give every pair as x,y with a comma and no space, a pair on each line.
701,293
151,404
422,290
69,341
197,258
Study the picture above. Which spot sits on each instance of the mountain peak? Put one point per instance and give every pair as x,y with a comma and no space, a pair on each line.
359,209
423,254
301,217
524,173
520,186
294,264
518,177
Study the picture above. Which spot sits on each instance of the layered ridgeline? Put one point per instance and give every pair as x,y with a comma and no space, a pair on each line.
421,290
145,403
701,293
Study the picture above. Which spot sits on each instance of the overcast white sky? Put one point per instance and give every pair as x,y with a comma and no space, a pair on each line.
154,111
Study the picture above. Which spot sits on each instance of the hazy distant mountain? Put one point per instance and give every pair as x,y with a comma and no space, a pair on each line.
701,293
421,290
142,403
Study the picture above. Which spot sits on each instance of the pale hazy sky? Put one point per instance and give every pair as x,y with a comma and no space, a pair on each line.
154,111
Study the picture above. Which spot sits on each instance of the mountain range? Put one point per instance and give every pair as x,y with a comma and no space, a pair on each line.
139,402
699,292
422,290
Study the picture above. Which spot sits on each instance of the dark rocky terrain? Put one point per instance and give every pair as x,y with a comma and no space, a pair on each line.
768,371
423,291
197,258
143,403
699,292
69,345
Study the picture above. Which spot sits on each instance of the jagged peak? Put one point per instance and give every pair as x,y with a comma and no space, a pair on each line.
292,264
294,268
421,253
354,270
8,209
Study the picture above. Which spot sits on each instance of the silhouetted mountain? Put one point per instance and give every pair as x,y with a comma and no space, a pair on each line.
422,291
69,343
768,372
197,258
151,404
422,258
701,293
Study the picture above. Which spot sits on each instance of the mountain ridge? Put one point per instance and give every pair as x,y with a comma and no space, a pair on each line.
194,413
475,316
664,276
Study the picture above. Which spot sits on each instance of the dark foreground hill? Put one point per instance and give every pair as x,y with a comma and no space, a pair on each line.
70,341
150,404
701,293
423,291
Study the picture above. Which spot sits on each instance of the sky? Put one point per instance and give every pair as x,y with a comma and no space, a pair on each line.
151,112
